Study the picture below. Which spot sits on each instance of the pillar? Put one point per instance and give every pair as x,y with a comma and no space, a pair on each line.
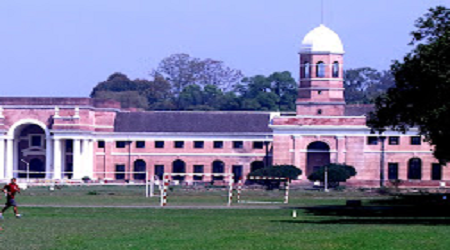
2,158
48,158
57,159
77,163
9,158
15,157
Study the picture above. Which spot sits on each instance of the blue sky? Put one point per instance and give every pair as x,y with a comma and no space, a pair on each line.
64,48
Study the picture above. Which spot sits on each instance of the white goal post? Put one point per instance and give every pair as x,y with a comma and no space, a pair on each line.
29,181
282,179
166,183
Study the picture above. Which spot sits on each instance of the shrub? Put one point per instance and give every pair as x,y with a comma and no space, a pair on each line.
336,173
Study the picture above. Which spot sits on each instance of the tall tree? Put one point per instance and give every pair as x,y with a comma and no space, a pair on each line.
421,95
363,85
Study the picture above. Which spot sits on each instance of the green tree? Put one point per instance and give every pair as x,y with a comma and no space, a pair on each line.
285,171
363,85
336,173
420,97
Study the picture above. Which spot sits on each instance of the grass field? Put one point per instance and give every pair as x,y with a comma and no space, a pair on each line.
196,227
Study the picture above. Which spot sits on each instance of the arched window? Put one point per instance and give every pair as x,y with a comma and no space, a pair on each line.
415,169
335,69
218,167
320,69
178,167
307,70
139,166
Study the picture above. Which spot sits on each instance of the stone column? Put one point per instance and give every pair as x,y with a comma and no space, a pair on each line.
77,163
340,148
48,158
84,157
63,158
16,159
2,158
57,159
9,158
90,159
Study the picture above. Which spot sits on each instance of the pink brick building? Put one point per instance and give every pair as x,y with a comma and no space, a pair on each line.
76,137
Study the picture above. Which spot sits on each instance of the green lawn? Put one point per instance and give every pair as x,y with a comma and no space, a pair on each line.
115,228
199,227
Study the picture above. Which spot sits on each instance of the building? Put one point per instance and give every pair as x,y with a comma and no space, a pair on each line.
57,138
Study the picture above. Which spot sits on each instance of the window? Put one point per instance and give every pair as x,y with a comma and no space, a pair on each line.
218,167
69,146
372,140
198,169
306,73
415,169
140,144
415,140
159,144
159,171
101,144
319,112
258,144
393,171
179,144
335,69
199,144
394,140
320,69
436,172
319,92
36,141
120,172
238,144
218,144
121,144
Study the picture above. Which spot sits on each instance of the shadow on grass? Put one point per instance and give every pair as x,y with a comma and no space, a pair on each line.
408,209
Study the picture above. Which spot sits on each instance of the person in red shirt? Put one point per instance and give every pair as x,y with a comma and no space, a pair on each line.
10,190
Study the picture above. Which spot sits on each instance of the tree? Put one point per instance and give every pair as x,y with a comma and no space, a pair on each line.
182,70
363,85
285,171
336,173
420,97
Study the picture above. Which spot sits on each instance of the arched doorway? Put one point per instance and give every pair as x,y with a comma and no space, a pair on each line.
179,167
256,165
139,166
37,168
218,167
318,155
29,150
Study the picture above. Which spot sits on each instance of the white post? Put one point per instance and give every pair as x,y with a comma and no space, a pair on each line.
2,158
77,159
326,179
152,186
57,158
48,158
9,158
146,184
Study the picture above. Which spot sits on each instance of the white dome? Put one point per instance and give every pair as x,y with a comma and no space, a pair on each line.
322,40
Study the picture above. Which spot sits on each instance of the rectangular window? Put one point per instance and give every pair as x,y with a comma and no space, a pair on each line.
198,169
394,140
436,172
372,140
199,144
258,144
415,140
36,141
179,144
120,172
238,144
393,171
101,144
159,144
159,171
121,144
218,144
140,144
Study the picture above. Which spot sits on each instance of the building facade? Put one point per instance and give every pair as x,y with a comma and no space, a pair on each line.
72,138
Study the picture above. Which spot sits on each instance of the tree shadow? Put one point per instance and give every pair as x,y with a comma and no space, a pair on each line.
408,209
